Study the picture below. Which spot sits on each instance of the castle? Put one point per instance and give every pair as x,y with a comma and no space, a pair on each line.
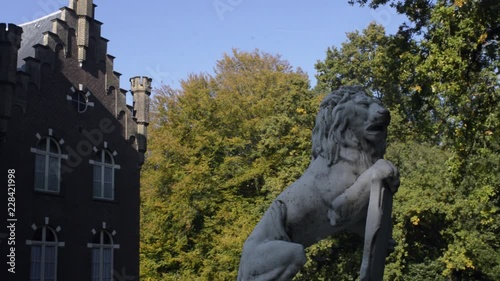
71,151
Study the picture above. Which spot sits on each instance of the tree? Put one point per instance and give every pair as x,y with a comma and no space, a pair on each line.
447,57
356,63
375,60
439,75
221,148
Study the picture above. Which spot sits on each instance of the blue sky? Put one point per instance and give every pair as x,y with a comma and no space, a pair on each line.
167,40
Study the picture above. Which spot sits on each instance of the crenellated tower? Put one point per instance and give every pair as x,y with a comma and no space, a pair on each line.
10,42
141,91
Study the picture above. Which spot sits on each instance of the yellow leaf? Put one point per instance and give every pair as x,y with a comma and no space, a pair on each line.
414,220
301,111
482,38
459,3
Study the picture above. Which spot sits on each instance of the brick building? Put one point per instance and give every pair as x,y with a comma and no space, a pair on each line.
75,148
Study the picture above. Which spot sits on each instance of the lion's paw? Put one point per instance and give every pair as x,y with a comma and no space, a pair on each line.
385,170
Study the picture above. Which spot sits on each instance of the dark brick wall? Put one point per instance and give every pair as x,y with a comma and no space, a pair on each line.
73,210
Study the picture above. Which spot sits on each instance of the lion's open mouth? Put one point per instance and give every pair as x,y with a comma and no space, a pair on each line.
376,127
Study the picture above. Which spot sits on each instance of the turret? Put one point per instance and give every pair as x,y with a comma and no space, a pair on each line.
10,42
141,91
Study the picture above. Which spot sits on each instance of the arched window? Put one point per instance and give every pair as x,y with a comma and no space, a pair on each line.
47,165
44,245
102,256
104,175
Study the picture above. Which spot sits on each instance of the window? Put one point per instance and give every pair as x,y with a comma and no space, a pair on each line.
104,175
47,165
44,245
80,101
102,256
80,98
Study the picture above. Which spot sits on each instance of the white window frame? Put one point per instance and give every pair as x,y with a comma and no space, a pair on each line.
79,102
101,247
102,165
43,245
46,154
77,97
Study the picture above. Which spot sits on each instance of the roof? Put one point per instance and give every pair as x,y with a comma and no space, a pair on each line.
33,34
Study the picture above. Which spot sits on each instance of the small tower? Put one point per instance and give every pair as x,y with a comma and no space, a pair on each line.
141,91
10,42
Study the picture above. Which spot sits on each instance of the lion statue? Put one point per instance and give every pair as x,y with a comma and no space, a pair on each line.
348,145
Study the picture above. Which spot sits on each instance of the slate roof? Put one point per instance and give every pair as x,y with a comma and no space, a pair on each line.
33,34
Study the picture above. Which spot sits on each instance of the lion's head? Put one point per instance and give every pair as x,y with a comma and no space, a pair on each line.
350,126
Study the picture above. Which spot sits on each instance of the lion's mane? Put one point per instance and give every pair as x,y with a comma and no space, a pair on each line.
332,137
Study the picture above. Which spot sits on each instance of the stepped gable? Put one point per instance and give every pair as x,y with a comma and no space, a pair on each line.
71,37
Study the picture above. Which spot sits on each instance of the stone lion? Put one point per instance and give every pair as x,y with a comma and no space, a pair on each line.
348,143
